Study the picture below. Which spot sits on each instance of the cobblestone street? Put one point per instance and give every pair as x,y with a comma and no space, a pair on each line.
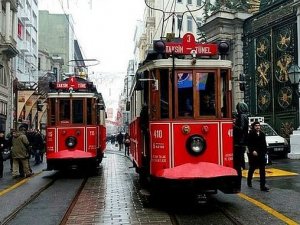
112,197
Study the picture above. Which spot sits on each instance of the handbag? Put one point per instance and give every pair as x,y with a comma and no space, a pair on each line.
6,154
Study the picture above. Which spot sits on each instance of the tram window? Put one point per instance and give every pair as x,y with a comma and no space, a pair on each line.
223,93
164,94
89,111
185,94
206,88
77,111
64,110
53,111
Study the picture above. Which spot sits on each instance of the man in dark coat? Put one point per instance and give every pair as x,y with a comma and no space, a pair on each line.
120,140
3,145
37,147
257,150
240,133
20,154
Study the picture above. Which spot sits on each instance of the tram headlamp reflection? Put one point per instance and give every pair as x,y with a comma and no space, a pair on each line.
196,145
71,142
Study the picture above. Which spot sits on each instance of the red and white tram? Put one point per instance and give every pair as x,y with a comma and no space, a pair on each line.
76,133
181,117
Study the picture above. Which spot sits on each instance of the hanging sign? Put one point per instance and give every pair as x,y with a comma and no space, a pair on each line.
189,45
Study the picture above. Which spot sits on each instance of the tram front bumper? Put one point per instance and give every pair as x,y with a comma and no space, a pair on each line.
203,176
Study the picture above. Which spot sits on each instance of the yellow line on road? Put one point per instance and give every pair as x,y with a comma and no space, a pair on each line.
3,192
13,187
269,210
271,172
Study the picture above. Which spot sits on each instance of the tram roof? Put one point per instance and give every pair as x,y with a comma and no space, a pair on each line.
186,64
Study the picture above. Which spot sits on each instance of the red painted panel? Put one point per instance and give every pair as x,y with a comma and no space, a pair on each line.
91,138
160,147
50,139
64,133
227,143
196,171
181,154
136,144
102,140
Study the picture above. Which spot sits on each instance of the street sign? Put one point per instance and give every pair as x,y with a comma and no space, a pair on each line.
189,46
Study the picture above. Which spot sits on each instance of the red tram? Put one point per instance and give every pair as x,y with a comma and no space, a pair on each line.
181,117
76,133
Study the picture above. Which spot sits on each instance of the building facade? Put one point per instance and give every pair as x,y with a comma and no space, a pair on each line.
8,51
56,36
26,62
164,20
270,48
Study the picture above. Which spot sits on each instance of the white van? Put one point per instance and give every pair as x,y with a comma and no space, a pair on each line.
277,145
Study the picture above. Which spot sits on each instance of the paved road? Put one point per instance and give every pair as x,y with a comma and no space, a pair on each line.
113,198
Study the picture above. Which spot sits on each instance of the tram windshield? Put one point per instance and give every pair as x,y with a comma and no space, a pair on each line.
67,111
204,98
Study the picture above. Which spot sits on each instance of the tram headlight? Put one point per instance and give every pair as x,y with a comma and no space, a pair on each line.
71,142
196,145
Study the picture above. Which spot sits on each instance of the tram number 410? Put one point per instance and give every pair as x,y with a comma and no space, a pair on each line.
158,133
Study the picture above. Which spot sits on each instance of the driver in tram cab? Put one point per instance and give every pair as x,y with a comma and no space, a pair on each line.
206,105
188,107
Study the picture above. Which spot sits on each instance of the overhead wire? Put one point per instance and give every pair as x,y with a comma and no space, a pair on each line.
71,25
171,12
162,20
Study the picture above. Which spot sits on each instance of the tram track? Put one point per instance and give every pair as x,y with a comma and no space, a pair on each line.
39,196
229,216
175,219
199,213
73,203
12,215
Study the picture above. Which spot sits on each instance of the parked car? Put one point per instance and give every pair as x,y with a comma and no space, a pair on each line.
277,145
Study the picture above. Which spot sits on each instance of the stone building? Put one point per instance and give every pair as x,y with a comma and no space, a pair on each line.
8,50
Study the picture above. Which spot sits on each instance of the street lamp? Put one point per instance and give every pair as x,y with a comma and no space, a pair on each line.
294,75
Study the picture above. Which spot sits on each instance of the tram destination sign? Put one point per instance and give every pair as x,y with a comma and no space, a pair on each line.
189,46
71,83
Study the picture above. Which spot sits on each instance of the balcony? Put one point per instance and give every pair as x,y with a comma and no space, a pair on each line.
24,46
150,22
24,16
9,48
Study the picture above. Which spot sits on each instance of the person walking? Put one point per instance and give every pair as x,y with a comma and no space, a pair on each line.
9,137
20,153
37,147
120,140
127,143
240,134
257,150
3,146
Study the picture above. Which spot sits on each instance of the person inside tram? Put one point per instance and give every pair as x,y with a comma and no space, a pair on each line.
207,106
188,106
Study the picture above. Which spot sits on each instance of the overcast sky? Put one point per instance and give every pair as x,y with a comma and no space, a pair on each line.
104,28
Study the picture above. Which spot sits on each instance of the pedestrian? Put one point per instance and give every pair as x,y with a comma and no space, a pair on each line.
257,150
20,153
9,137
127,143
37,146
120,140
240,134
3,146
